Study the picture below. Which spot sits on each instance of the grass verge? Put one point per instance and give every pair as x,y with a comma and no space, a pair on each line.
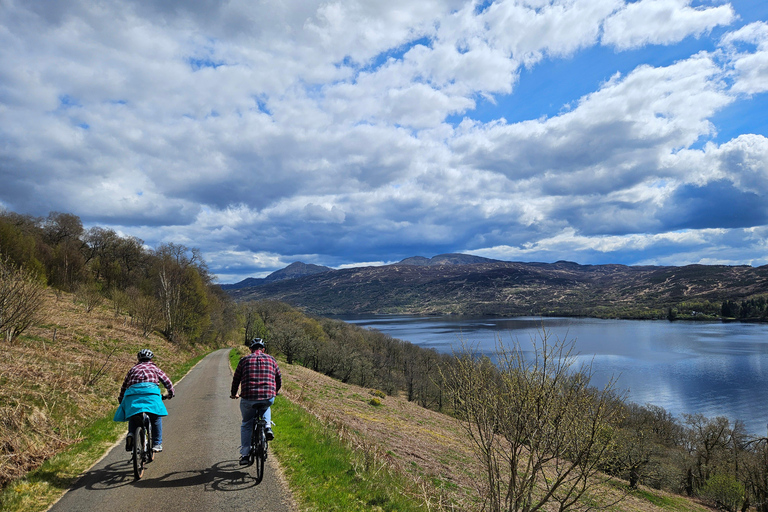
43,486
325,473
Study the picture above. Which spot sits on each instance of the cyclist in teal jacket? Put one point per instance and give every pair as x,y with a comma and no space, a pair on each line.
141,393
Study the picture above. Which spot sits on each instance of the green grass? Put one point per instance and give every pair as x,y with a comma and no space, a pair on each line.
665,502
327,475
41,487
324,473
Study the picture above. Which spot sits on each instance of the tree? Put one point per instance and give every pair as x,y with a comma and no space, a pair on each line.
724,491
253,325
538,428
181,290
21,297
89,294
288,336
145,310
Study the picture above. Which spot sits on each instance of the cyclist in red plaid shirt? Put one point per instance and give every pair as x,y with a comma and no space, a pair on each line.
258,377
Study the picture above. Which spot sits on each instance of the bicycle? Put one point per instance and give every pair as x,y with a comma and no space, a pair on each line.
259,443
142,445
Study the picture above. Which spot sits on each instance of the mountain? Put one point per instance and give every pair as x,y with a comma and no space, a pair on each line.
292,271
492,287
446,259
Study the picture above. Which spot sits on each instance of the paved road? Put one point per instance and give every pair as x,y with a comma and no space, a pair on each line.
198,469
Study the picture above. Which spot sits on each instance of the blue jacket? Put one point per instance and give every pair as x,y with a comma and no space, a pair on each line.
141,397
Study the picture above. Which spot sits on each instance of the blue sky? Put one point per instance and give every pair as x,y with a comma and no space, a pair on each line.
353,133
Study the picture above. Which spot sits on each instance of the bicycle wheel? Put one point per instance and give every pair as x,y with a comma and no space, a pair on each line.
254,445
139,445
260,455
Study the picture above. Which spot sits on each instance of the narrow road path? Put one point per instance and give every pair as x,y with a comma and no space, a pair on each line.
198,468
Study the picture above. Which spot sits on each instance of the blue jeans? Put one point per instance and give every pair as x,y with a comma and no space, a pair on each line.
246,427
134,422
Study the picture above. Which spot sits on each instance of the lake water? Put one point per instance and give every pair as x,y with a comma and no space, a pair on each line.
713,368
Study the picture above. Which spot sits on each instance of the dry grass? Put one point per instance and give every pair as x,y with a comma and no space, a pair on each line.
67,369
422,443
62,374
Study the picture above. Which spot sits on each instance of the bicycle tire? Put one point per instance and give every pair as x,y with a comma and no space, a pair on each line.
254,446
260,455
138,452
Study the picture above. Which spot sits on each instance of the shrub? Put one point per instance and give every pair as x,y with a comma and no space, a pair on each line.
724,491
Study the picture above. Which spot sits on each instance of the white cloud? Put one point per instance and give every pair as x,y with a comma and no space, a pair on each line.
318,129
750,68
662,22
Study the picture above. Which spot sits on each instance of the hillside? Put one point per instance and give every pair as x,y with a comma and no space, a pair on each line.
490,287
292,271
63,375
65,372
429,446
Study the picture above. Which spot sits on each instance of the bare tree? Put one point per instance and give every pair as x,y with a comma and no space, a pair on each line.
90,296
21,297
145,310
539,429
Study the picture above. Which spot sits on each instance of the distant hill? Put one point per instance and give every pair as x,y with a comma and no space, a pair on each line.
446,259
468,285
453,284
292,271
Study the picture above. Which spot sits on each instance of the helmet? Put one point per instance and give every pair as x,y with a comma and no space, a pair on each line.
256,343
145,354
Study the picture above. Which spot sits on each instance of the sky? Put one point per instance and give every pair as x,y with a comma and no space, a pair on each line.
351,133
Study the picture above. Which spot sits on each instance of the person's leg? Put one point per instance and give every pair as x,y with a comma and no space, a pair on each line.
157,429
268,418
132,424
248,413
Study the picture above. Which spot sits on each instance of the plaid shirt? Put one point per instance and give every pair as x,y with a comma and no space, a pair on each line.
145,372
258,377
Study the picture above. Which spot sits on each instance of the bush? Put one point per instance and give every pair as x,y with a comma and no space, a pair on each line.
724,491
21,296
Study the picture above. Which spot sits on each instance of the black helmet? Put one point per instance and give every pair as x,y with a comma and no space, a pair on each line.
145,354
256,343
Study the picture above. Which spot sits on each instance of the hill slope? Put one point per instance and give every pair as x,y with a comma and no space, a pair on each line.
429,446
493,287
292,271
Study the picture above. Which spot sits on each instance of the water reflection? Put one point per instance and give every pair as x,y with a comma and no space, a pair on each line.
685,367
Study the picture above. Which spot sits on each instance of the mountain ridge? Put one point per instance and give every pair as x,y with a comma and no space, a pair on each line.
292,271
446,284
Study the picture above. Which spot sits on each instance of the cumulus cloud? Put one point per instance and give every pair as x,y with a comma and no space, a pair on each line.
662,22
349,131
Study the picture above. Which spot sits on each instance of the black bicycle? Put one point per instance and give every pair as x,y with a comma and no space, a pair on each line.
143,441
259,442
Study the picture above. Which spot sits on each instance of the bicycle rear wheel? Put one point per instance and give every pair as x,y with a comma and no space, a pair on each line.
139,445
260,455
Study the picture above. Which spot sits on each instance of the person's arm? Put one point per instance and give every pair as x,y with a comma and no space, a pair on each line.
166,382
278,379
123,388
236,380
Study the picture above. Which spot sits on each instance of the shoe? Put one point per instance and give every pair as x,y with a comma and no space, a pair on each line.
269,434
157,448
244,460
129,443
